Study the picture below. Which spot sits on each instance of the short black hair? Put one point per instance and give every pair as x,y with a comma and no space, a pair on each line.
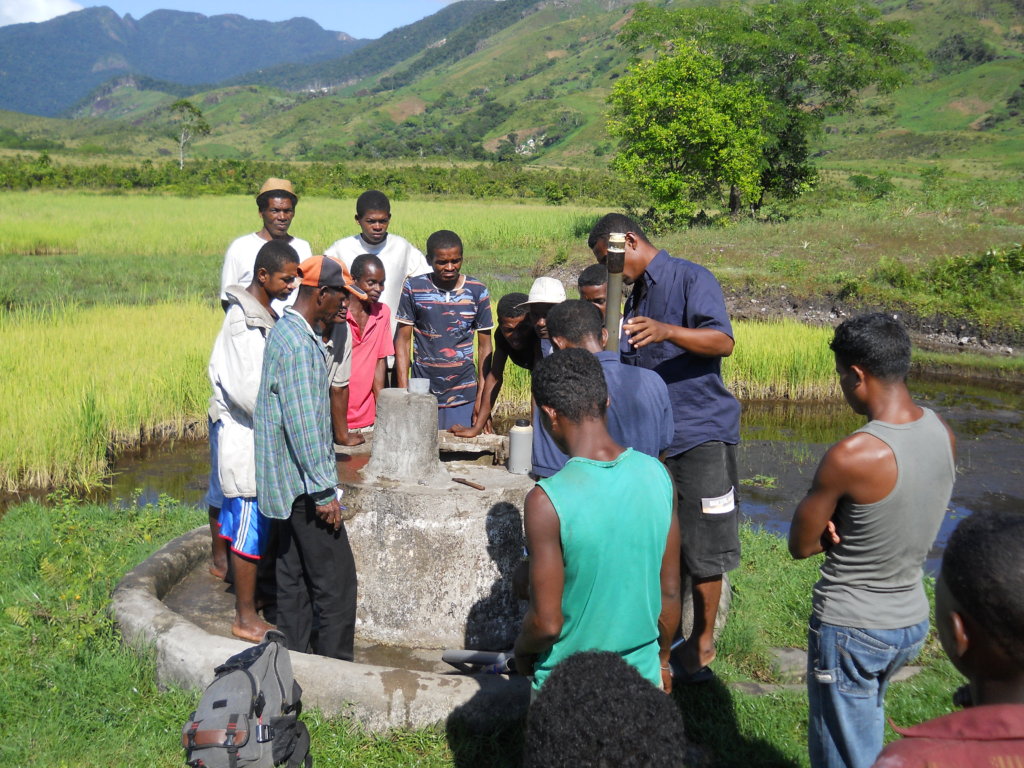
575,321
595,274
372,200
273,255
982,568
877,342
363,262
443,238
512,305
595,709
614,222
571,381
263,199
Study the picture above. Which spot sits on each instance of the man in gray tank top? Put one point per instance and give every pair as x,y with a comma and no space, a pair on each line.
874,508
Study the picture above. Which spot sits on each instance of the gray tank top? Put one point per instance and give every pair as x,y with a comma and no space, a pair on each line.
872,578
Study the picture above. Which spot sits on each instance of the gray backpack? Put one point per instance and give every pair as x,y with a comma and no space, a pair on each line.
248,716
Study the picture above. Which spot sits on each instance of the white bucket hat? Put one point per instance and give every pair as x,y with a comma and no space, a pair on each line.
545,290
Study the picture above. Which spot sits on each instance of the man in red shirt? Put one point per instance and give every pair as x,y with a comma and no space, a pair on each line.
979,614
369,323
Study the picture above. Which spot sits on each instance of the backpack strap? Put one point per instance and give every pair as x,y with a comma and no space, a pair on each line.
300,756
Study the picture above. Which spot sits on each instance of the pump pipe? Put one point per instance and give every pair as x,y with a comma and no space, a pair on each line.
615,260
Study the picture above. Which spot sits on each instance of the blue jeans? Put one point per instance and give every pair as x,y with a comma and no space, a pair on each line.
848,670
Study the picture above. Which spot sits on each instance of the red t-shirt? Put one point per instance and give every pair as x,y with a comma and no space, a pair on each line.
979,737
368,346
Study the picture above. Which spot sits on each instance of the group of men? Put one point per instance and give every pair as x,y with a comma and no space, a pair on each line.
634,455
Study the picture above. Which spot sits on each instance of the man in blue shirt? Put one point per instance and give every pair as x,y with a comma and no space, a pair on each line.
639,413
676,324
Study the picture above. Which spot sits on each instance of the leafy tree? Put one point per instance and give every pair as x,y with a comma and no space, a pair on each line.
808,58
685,133
189,123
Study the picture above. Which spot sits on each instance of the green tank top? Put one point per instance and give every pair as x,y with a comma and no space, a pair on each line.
613,522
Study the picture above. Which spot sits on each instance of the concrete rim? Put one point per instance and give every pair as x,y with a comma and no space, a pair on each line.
377,697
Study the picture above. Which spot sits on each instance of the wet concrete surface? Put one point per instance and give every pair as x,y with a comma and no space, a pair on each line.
209,603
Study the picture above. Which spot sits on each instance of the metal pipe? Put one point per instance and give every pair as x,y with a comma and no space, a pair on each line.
615,260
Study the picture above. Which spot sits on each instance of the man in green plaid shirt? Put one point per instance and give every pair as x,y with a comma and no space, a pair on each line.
296,474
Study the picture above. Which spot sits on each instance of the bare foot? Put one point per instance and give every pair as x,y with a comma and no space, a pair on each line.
252,631
220,571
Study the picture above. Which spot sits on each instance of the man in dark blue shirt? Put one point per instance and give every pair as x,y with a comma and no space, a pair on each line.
676,324
639,415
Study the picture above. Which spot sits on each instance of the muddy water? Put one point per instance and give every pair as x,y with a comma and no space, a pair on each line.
783,442
781,445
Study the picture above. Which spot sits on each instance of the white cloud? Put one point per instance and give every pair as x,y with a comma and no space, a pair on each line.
20,11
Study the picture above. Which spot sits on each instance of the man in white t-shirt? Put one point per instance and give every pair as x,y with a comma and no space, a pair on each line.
276,203
401,258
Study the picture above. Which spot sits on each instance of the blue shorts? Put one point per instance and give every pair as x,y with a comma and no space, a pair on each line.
214,495
455,414
242,524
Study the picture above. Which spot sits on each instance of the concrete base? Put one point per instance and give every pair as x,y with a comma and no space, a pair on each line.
435,564
378,697
405,440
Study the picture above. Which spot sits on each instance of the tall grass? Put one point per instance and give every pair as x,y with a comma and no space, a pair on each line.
781,360
76,383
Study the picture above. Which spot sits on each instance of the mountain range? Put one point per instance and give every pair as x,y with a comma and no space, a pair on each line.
480,79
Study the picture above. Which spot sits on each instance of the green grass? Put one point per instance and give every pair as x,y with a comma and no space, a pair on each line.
78,383
76,697
781,360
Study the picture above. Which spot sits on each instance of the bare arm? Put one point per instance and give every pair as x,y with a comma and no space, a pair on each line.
543,621
707,342
671,607
494,374
339,418
403,340
379,376
860,468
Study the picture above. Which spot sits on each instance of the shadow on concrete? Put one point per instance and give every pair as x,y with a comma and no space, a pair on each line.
715,739
493,621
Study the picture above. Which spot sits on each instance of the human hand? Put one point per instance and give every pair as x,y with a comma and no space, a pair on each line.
330,513
641,331
829,537
351,439
460,431
524,664
666,678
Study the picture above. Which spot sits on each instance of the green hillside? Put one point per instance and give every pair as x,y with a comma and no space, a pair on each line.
527,81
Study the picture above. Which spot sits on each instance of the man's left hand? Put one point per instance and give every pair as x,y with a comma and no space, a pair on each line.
330,513
641,331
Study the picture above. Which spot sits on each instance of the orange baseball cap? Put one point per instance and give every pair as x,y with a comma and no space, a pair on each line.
328,272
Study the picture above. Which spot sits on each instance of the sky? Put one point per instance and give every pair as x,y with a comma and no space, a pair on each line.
356,17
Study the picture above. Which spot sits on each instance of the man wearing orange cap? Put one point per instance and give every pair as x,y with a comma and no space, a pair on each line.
276,203
296,474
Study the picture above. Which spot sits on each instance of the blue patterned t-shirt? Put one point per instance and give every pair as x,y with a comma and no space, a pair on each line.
443,326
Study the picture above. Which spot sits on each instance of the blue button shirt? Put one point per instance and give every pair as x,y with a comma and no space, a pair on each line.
639,417
679,292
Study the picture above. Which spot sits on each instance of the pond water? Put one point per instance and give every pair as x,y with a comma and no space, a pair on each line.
781,445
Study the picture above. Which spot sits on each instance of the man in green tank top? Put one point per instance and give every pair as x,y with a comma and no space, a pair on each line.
602,535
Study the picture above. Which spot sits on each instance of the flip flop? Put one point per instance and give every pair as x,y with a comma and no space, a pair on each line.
682,677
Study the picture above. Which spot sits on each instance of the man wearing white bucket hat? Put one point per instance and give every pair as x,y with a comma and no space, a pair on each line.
544,294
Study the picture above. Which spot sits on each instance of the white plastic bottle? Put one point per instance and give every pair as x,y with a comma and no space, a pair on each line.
520,448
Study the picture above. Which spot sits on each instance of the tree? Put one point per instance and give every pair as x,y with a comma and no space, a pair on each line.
807,58
685,134
189,122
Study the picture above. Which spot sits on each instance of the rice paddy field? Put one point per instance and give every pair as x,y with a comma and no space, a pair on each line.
108,312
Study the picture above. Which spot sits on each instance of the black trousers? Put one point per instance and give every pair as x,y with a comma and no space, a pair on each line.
315,571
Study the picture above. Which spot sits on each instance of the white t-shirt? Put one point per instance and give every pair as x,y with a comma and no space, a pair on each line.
241,257
401,259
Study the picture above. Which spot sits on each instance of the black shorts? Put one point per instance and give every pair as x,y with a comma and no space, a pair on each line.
708,508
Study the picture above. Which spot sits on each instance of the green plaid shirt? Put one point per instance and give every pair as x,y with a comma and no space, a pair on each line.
294,444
